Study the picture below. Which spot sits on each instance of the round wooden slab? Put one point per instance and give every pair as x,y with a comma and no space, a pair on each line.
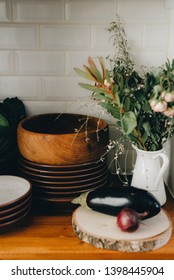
101,231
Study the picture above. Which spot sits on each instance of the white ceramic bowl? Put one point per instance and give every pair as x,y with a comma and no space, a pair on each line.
13,189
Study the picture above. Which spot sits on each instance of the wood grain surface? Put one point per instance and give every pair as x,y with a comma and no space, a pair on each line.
50,236
60,147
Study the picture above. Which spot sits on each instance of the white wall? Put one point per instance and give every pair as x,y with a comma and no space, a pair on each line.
42,40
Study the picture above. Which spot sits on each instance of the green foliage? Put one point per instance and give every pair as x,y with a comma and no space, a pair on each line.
3,121
127,96
128,122
12,111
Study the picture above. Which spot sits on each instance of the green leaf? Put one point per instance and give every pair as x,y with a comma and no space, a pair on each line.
147,128
94,70
94,88
140,123
145,137
137,105
127,104
128,122
154,138
113,110
107,76
104,70
3,121
115,88
117,98
101,96
84,74
154,147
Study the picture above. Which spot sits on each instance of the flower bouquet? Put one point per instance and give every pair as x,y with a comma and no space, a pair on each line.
142,106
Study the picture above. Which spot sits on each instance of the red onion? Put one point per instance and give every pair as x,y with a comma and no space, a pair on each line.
129,220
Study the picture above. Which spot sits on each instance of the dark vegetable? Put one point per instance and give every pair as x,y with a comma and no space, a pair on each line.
129,220
112,200
12,111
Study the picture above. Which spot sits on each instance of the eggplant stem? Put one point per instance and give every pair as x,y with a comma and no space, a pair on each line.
81,200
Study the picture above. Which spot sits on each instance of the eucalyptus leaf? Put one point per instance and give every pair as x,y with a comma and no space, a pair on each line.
154,147
128,122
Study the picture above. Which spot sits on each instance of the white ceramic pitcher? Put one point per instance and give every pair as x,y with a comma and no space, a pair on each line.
148,172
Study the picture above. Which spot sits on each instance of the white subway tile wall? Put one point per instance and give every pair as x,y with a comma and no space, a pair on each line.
4,12
13,36
41,41
38,10
6,62
143,11
63,37
171,37
90,11
39,62
26,88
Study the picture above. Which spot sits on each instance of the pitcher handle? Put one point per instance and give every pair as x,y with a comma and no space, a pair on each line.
163,168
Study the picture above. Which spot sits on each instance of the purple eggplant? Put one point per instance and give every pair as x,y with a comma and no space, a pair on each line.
112,200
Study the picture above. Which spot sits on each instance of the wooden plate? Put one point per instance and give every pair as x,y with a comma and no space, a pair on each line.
65,179
57,194
57,185
61,168
101,231
63,175
55,182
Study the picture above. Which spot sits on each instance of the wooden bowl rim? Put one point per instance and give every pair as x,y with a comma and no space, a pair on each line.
102,122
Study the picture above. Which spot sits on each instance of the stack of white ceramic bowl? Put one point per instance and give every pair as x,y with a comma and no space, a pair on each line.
15,201
57,185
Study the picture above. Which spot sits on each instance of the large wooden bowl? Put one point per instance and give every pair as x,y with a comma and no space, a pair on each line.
62,139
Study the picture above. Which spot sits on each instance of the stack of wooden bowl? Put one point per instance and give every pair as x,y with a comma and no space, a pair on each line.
61,156
15,201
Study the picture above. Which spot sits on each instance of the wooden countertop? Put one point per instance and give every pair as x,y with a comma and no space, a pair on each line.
50,236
